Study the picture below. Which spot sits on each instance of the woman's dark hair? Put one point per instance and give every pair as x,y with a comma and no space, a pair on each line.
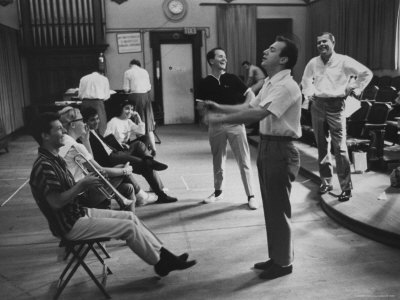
123,104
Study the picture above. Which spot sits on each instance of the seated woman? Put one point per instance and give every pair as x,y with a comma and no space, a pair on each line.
129,134
109,155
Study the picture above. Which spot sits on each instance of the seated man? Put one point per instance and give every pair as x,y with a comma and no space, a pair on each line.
71,119
57,196
108,156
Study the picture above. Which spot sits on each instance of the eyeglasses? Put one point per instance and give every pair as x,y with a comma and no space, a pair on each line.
77,120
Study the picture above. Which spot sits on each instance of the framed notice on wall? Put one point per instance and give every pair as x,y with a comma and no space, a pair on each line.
129,42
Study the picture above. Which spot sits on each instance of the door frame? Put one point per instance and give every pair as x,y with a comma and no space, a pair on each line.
173,37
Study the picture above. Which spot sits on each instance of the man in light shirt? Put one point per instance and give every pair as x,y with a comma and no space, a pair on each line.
278,108
137,83
326,84
94,89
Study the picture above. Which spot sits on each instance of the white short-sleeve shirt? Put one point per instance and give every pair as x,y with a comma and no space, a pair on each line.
283,95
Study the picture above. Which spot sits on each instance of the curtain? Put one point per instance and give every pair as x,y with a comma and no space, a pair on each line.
236,28
12,100
364,29
397,50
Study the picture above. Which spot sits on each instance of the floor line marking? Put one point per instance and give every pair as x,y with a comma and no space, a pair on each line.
9,198
184,182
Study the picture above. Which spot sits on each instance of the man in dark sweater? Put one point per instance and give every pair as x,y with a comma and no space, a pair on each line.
228,89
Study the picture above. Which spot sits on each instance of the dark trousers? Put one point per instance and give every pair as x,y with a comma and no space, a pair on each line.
278,164
141,168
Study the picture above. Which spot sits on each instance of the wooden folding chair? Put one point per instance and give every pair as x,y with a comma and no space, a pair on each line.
78,250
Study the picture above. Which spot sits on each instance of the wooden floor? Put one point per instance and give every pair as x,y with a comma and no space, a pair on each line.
226,238
374,209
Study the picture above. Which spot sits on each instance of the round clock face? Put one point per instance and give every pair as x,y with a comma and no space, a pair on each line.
175,7
175,10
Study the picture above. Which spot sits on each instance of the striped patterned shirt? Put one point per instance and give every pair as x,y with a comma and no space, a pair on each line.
50,174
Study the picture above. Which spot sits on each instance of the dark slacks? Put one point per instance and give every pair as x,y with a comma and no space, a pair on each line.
139,167
278,164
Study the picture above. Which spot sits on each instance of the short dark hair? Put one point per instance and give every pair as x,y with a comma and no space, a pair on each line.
42,124
123,104
211,54
88,112
290,51
135,62
246,63
330,35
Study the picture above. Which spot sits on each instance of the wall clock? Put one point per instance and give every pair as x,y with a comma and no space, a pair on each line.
175,10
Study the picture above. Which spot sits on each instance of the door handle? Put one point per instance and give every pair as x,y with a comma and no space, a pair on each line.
191,90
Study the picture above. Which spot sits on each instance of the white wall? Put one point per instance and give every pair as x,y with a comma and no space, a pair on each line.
145,16
9,15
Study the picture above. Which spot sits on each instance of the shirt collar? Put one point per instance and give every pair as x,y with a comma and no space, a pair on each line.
278,76
331,59
68,143
46,153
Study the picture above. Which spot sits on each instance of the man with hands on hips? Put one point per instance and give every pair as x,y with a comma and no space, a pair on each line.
327,81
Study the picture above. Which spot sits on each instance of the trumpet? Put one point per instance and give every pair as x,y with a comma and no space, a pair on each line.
107,189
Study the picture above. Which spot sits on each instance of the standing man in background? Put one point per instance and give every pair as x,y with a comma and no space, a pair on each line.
94,89
255,77
225,88
137,83
326,84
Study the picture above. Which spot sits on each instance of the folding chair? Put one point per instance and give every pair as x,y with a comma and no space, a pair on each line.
79,250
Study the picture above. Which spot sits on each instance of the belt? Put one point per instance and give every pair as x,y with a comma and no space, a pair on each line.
330,98
276,138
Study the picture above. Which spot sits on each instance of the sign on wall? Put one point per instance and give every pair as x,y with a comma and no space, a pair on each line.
129,42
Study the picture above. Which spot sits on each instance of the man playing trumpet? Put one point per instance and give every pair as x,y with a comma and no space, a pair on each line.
58,197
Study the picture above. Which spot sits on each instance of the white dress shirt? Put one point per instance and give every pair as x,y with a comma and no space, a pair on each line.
331,79
136,80
284,96
94,86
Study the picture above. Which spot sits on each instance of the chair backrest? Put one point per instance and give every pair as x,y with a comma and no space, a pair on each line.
386,94
396,83
370,92
379,113
385,81
357,120
374,81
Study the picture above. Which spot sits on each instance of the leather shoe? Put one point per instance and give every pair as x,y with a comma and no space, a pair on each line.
263,265
169,262
166,199
275,271
184,256
154,164
323,189
344,196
